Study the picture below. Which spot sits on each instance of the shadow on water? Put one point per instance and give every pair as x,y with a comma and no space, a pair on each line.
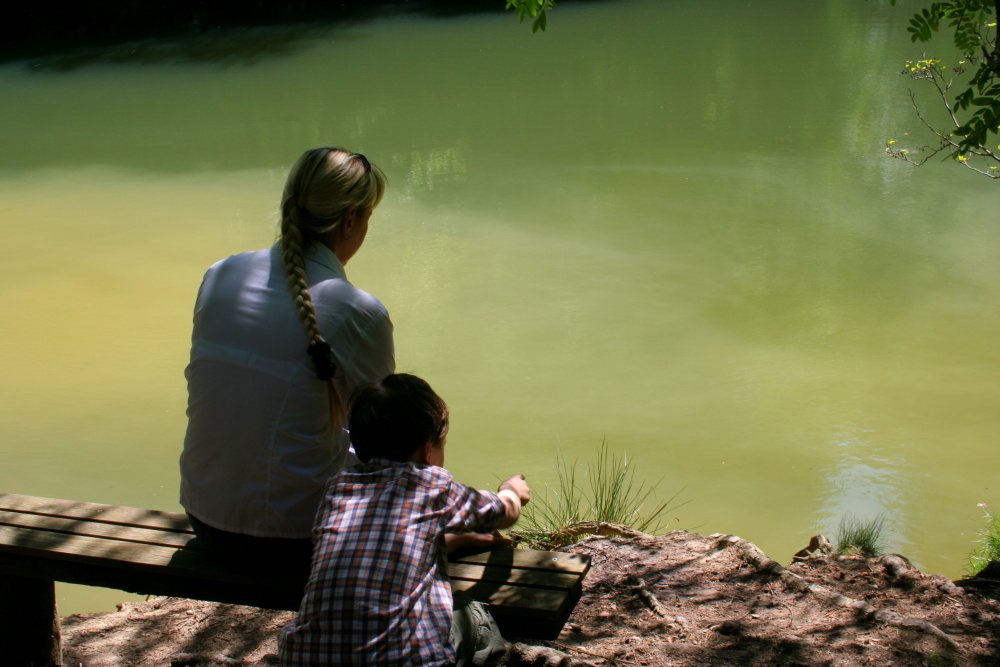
223,33
226,33
224,47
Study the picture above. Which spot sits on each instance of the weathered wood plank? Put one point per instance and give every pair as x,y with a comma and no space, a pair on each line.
91,528
96,512
500,574
83,548
542,560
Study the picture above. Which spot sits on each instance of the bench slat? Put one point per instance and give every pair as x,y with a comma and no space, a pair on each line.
87,527
502,574
556,561
82,548
72,509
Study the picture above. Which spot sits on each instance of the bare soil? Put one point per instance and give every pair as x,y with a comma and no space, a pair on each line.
680,599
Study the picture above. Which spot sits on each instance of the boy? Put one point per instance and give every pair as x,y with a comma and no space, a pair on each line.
379,591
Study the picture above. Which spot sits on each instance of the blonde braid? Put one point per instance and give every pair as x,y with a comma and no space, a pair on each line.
322,184
319,349
291,247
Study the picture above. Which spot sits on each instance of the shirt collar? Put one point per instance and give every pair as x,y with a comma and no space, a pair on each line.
322,255
380,463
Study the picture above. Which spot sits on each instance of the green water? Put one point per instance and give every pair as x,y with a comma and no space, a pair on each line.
667,225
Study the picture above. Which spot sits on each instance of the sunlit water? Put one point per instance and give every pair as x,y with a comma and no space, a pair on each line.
643,227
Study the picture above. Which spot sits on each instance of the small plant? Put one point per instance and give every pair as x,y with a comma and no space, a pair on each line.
940,659
989,544
562,515
861,536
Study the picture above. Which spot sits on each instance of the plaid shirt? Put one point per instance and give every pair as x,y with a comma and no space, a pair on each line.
379,591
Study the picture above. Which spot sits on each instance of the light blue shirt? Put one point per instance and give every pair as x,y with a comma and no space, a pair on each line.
258,449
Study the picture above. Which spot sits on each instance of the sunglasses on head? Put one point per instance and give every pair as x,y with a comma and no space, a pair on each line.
364,161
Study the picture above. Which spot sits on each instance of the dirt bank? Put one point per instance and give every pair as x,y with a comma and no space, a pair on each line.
679,600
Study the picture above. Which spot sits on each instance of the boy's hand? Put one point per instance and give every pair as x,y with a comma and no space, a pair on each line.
518,486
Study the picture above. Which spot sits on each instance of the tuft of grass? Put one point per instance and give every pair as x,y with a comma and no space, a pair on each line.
989,543
940,659
563,515
856,535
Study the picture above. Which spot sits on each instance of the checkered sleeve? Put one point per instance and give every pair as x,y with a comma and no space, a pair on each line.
472,511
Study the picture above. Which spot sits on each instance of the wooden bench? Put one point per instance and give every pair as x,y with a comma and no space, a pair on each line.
44,540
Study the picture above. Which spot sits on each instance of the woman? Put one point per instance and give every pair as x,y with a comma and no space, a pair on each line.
280,338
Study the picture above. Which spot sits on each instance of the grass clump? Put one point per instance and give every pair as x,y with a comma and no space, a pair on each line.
940,659
861,536
989,544
564,514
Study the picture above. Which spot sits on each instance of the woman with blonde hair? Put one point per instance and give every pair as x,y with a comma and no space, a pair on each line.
280,339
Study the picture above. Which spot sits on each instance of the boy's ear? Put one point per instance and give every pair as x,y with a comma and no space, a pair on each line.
423,455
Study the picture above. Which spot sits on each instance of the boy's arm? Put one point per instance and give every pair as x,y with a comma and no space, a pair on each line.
469,541
514,493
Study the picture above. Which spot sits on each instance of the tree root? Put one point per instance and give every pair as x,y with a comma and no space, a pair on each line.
570,533
638,586
573,531
527,655
752,554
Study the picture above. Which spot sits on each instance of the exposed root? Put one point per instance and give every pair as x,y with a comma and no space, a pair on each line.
638,586
564,647
570,533
818,544
526,655
752,554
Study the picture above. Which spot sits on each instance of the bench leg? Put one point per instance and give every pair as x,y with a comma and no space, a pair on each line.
29,623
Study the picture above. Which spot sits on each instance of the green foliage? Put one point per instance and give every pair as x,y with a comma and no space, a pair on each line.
975,35
964,17
940,659
532,8
989,545
857,535
562,515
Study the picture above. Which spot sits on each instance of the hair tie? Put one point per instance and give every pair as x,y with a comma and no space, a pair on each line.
322,356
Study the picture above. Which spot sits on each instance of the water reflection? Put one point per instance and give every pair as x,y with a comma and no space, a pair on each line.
428,168
864,484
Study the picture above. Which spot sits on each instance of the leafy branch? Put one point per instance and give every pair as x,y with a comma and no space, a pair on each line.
942,79
975,35
534,9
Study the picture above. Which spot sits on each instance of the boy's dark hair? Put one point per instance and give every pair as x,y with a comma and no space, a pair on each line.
394,417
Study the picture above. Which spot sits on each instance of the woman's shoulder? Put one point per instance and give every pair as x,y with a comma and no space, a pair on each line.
241,259
342,294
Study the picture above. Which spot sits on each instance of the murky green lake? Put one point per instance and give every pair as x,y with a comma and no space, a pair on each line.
665,225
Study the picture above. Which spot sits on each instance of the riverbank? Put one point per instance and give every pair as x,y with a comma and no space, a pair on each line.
676,600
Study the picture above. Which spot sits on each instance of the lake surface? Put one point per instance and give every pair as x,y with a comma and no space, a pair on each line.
665,225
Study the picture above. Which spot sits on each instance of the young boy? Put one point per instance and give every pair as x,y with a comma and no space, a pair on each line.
379,591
